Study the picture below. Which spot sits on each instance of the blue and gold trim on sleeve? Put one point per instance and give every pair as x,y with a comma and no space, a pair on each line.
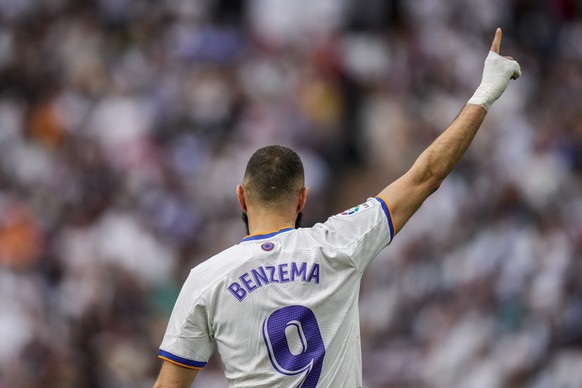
388,213
167,356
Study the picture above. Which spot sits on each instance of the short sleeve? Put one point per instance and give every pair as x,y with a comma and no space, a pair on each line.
188,340
359,233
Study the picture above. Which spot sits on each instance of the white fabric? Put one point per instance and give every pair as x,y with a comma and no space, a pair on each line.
318,268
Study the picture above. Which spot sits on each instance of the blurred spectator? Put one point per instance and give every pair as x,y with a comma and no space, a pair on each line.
125,126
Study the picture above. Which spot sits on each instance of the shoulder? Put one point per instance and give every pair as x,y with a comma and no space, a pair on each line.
372,211
209,272
367,223
224,260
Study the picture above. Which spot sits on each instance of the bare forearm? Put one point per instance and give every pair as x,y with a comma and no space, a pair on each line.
439,159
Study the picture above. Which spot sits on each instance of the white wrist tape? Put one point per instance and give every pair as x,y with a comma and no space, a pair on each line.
497,72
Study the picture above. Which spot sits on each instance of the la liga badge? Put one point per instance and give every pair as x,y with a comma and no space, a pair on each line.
355,209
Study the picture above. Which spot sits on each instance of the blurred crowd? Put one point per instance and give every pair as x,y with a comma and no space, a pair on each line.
126,124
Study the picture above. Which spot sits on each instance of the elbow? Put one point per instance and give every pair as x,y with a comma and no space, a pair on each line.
433,178
428,175
430,172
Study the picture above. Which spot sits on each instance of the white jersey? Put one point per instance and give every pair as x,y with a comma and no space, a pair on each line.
282,308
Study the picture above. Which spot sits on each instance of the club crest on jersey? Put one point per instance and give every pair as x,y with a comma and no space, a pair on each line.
268,246
355,209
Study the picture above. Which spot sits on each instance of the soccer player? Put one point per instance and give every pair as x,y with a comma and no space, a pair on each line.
281,307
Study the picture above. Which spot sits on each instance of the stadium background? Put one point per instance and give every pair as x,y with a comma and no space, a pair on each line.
126,124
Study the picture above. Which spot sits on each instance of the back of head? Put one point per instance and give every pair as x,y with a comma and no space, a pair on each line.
274,176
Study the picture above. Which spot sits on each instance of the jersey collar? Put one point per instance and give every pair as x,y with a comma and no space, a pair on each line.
265,235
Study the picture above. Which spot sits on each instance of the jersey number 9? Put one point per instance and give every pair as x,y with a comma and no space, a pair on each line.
294,343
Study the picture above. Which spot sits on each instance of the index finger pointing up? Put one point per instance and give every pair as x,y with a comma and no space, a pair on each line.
496,41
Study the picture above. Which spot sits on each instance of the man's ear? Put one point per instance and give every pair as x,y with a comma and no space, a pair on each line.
302,198
240,196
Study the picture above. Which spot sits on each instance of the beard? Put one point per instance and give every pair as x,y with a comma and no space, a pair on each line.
245,219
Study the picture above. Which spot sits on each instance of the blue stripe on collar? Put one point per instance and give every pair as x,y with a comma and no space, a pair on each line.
267,235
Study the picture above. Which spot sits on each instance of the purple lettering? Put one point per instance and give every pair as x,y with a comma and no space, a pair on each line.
314,274
272,273
301,271
284,273
260,276
237,291
247,282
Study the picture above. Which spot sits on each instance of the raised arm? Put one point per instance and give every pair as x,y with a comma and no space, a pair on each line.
406,194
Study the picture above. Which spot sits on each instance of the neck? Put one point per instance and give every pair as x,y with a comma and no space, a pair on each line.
265,221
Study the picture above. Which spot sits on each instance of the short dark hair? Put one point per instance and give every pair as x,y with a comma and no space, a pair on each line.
274,175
